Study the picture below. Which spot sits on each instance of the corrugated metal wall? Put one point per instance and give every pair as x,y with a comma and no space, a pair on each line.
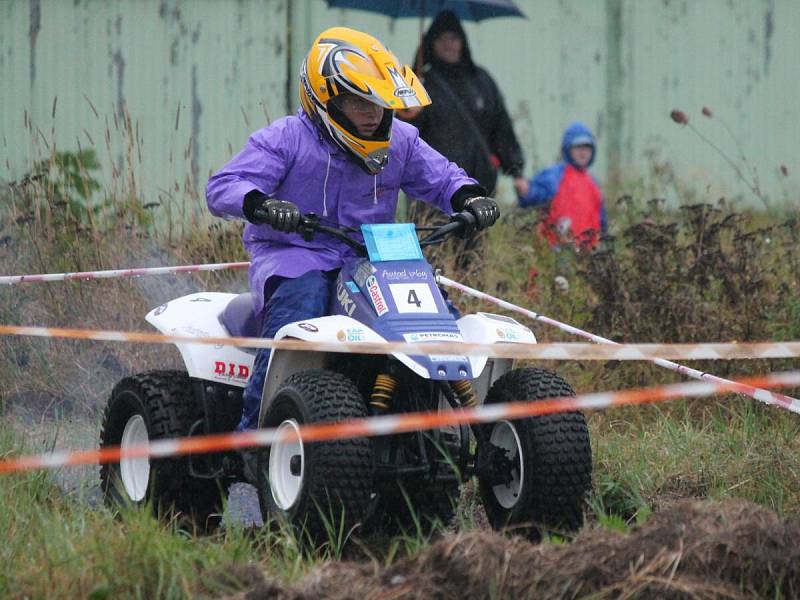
196,77
618,65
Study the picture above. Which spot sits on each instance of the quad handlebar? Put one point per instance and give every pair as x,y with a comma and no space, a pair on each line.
310,225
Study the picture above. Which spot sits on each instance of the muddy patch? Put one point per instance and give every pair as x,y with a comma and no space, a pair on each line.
694,549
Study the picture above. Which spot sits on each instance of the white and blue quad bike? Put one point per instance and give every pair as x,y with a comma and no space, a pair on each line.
533,473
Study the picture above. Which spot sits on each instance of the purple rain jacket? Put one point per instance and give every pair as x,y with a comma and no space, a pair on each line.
291,160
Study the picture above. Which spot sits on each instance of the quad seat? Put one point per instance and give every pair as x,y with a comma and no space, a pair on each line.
239,317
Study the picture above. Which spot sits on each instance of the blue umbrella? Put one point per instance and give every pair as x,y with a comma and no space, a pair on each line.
467,10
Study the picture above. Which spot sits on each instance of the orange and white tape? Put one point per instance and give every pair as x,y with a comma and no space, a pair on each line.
391,424
549,351
518,351
117,273
786,401
628,352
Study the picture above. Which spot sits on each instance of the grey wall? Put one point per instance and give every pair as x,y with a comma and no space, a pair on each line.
230,66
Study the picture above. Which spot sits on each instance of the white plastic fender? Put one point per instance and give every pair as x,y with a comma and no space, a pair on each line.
486,328
480,328
197,315
284,363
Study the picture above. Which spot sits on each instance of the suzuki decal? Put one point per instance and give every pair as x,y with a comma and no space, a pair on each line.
345,300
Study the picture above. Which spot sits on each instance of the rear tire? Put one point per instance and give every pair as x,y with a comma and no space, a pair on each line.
153,406
322,489
551,456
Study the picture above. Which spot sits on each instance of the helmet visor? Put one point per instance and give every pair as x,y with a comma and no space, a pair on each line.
352,105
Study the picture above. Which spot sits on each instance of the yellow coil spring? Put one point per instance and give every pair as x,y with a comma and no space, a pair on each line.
382,392
465,393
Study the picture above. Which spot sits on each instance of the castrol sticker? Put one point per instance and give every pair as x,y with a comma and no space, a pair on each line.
375,294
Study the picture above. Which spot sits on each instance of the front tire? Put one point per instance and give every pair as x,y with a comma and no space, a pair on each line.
543,468
319,488
153,406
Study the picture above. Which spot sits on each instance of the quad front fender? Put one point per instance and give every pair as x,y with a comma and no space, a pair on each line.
486,328
284,363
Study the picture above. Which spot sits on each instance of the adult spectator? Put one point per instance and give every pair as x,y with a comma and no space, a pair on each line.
467,121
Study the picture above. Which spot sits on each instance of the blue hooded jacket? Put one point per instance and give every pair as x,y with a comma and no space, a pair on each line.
544,186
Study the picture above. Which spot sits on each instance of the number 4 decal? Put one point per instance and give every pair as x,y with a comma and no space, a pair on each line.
413,297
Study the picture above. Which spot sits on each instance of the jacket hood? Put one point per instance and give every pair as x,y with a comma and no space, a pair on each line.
446,21
575,135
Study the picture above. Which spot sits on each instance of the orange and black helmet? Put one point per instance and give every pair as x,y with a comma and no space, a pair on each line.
344,62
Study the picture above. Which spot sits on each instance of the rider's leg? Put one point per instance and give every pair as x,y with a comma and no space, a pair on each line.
305,297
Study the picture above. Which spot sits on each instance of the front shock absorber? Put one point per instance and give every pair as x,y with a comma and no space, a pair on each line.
382,392
465,392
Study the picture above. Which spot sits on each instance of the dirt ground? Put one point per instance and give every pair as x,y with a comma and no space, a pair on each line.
693,549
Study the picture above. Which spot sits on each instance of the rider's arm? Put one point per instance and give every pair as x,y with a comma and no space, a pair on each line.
261,165
544,187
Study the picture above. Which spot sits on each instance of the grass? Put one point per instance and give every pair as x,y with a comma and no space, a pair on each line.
727,448
58,546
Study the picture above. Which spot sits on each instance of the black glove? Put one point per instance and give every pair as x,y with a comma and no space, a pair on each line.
281,215
484,210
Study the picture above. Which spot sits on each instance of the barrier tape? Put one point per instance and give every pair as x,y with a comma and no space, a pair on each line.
391,424
762,395
88,275
787,402
549,351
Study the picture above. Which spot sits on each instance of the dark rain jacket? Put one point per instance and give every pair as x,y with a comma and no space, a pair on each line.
467,122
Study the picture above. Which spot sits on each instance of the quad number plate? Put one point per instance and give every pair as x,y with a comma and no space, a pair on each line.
413,298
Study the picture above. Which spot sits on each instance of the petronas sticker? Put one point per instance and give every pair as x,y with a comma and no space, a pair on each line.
432,336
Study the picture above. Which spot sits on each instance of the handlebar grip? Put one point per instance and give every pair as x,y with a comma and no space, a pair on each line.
466,219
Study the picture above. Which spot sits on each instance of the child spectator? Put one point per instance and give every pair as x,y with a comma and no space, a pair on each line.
576,211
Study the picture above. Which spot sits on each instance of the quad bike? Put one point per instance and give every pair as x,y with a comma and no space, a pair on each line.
533,473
